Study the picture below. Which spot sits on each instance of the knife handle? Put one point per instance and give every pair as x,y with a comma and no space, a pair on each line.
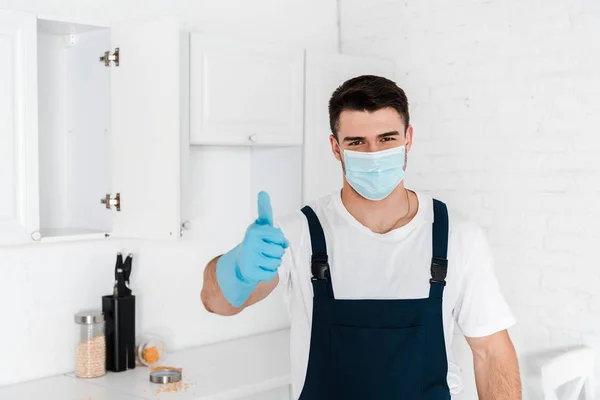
127,267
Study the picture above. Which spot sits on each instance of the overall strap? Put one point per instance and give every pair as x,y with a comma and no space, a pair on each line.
439,261
321,277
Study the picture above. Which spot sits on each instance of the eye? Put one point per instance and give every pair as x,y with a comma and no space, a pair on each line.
355,143
388,139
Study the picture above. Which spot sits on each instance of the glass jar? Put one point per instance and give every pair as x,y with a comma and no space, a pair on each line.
90,355
150,350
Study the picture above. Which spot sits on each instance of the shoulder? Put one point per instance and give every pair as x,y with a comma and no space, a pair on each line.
467,241
464,235
460,227
291,224
462,230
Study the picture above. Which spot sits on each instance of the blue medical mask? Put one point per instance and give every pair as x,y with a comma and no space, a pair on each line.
374,175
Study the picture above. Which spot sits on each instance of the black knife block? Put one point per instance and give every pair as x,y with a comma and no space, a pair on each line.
119,314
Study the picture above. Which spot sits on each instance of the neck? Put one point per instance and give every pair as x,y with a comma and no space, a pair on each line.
384,215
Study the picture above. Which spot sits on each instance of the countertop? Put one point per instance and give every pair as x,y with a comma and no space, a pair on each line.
220,371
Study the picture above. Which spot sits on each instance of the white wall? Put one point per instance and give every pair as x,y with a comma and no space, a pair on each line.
505,101
42,286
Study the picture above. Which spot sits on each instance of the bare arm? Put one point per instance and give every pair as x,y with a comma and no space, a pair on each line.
215,302
496,367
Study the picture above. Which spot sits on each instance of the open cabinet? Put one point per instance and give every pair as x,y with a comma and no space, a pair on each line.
93,129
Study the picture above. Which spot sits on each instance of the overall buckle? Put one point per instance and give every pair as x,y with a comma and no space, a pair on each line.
319,267
439,270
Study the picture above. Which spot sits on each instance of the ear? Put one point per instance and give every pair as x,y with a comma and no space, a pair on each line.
335,148
409,137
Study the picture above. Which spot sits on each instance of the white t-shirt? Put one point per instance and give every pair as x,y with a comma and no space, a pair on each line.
396,265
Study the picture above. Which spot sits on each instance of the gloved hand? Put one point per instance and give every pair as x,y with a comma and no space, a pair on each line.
254,260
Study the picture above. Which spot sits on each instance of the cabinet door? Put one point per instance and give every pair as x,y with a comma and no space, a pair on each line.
245,93
19,203
324,73
145,111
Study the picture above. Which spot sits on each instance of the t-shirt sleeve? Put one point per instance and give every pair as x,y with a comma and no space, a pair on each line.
291,227
481,308
285,270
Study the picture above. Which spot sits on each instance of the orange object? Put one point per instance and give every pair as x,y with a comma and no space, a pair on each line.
151,355
172,387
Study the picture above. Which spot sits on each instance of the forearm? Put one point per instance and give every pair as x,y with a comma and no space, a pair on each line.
211,294
216,303
497,376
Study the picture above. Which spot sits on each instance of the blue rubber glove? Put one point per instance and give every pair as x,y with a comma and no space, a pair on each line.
254,260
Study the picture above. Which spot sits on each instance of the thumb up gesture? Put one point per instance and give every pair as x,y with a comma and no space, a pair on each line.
259,255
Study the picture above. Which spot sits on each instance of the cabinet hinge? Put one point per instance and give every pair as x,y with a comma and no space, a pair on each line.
107,57
108,201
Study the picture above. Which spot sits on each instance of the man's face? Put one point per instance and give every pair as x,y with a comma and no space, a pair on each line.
364,131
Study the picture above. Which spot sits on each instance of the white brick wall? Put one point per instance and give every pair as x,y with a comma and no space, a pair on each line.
505,101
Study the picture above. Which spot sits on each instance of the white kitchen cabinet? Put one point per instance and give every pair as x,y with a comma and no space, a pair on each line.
245,93
322,173
75,129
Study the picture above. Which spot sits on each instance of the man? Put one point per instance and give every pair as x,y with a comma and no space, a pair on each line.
376,275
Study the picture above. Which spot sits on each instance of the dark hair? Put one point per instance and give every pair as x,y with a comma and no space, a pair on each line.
366,93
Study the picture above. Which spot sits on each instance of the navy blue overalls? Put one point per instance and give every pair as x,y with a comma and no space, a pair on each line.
377,348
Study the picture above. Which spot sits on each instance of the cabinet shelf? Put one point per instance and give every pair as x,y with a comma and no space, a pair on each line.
74,129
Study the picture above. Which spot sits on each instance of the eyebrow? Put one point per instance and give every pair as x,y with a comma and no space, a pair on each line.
380,136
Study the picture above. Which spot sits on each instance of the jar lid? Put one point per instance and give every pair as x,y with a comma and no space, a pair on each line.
89,317
165,376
